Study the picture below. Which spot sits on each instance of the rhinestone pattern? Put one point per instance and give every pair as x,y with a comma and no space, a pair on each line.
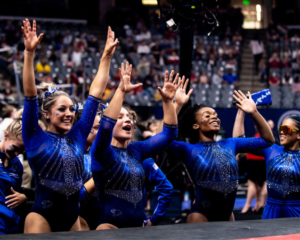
283,173
125,178
216,168
60,167
87,171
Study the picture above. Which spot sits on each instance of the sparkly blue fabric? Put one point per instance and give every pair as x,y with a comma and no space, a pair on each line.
165,189
119,175
214,171
11,176
87,169
56,161
283,179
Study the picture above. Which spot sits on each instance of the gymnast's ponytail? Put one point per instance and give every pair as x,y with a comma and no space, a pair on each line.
187,121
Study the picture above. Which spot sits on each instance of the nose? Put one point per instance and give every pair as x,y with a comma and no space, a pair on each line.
68,112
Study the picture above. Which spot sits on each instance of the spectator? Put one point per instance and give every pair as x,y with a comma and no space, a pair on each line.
199,53
8,113
286,52
43,67
262,71
286,38
286,63
203,79
3,43
231,63
165,45
170,34
93,45
217,78
287,79
64,57
150,81
145,34
133,48
211,50
52,56
7,90
237,37
224,51
296,52
274,36
162,59
173,58
296,85
274,79
68,38
194,78
155,66
230,78
212,60
295,39
257,47
76,57
155,50
143,48
143,68
274,61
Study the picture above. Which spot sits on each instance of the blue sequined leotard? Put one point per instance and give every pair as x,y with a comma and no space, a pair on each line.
56,161
165,189
10,176
214,171
119,176
283,182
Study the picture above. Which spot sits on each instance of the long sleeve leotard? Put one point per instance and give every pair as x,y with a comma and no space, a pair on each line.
283,182
165,189
120,184
214,171
10,176
56,161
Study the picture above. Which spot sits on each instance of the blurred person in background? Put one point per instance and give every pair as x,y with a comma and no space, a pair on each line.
296,85
43,66
8,113
286,63
287,79
217,78
143,68
203,79
230,78
143,48
274,80
257,48
274,61
262,72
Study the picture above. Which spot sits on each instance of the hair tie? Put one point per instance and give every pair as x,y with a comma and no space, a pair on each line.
78,107
50,91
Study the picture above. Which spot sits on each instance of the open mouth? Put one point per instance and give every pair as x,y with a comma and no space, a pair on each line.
215,123
127,128
282,138
67,121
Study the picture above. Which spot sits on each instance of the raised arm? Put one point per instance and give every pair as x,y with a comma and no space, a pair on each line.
31,41
181,96
248,106
238,128
99,84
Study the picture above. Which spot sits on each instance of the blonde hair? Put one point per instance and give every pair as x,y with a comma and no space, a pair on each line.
7,110
14,129
49,100
19,113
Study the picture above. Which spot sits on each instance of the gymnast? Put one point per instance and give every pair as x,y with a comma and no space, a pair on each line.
212,165
56,156
117,164
11,171
283,169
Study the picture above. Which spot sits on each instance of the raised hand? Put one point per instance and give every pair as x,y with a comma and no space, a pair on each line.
181,97
125,77
170,86
31,41
244,103
111,43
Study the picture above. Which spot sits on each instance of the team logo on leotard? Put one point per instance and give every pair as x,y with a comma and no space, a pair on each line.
116,212
283,173
62,171
216,168
47,204
132,174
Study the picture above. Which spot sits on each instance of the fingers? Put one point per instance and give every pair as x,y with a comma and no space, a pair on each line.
136,85
10,196
160,91
40,37
122,68
12,190
171,76
237,99
166,76
108,32
34,26
23,31
11,200
186,82
176,79
28,25
242,94
13,205
116,42
238,95
249,95
181,83
190,92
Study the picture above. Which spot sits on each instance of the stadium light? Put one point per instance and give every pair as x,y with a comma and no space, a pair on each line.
149,2
258,12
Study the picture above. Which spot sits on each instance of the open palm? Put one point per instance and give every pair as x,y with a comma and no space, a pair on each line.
170,87
31,41
244,103
111,43
181,97
125,77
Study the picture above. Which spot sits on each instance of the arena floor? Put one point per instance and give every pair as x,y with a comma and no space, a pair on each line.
279,229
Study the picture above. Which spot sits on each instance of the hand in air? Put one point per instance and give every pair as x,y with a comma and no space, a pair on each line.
31,41
111,43
244,103
15,199
125,77
170,86
181,97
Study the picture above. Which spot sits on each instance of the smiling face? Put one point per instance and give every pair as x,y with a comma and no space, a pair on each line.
94,131
61,115
289,140
12,147
207,121
124,127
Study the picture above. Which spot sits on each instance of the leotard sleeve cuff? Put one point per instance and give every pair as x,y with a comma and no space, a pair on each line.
108,119
170,126
30,98
94,98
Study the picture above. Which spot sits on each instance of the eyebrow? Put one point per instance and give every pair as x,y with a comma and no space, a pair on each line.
209,112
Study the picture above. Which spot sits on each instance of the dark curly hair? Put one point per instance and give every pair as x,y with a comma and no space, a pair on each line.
187,121
296,119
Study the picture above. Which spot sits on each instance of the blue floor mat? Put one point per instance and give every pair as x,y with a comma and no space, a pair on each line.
240,202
